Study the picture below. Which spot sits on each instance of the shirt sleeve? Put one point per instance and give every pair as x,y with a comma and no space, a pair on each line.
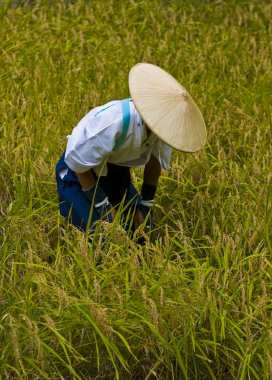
162,152
92,140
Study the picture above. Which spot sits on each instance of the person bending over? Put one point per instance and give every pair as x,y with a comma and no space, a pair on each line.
93,174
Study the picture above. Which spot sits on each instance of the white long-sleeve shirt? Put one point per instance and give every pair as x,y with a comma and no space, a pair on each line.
91,144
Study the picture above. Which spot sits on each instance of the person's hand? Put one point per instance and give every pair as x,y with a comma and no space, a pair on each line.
144,215
147,214
113,212
138,218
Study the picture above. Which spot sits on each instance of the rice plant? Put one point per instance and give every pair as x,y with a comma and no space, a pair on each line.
195,303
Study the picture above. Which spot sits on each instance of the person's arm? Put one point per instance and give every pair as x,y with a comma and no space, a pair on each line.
152,174
152,171
86,179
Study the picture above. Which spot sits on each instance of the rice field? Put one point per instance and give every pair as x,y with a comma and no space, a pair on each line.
194,303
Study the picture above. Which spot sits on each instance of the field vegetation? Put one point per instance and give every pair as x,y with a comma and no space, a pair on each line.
193,304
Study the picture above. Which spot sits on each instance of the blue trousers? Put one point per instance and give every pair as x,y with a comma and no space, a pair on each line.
76,208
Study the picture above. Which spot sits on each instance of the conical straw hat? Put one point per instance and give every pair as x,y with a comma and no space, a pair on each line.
167,108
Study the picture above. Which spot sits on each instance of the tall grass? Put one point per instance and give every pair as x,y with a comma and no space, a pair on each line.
194,304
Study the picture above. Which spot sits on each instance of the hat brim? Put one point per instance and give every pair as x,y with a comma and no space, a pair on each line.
167,108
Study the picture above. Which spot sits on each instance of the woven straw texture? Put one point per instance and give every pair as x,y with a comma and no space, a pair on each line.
167,108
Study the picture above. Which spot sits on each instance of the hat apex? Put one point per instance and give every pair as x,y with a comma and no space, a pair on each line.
167,108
